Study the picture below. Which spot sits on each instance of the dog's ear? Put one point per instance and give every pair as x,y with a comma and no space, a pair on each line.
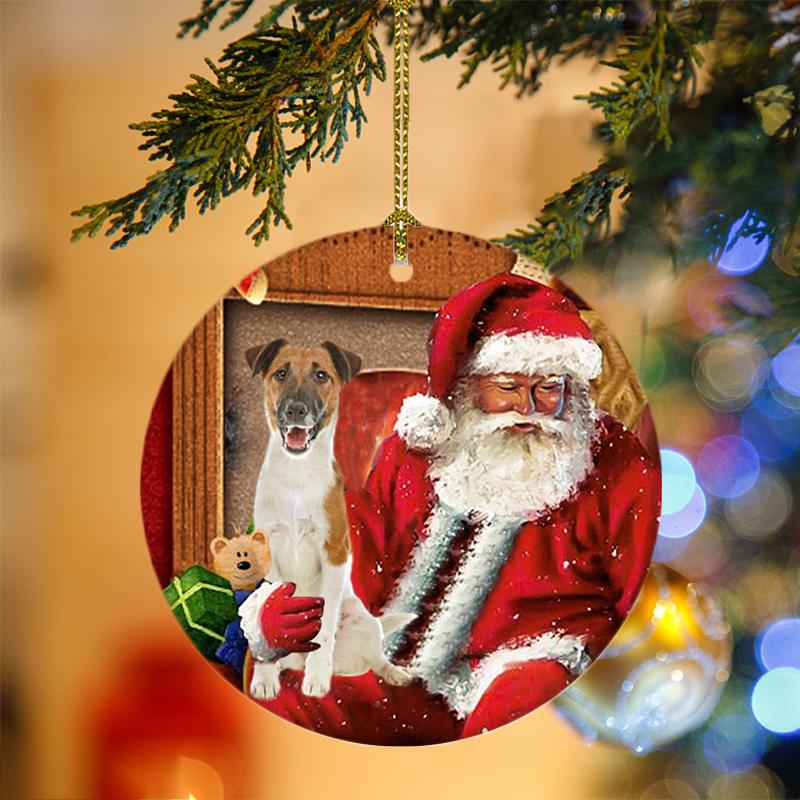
261,356
218,544
347,364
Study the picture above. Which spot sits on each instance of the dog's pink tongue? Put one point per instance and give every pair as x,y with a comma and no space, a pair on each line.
297,438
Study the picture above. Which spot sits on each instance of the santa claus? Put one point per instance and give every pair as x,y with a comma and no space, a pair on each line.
507,512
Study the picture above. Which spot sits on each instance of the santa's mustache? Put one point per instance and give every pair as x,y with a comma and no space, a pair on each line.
489,423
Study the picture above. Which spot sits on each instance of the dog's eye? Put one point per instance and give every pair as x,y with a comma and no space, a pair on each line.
322,376
280,375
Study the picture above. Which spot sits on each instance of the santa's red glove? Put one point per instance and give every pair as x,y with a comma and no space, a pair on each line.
290,623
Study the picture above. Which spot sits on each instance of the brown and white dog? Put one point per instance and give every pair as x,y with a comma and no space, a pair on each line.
300,503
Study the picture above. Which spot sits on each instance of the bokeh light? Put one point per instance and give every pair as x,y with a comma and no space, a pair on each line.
706,552
669,789
687,520
728,466
678,481
768,435
776,700
725,370
734,742
786,368
763,510
669,550
776,438
765,593
769,397
742,254
755,784
779,644
695,424
712,295
770,405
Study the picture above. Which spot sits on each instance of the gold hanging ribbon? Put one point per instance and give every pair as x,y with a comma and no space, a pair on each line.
401,217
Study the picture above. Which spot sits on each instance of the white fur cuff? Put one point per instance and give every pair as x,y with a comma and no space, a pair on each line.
537,354
424,423
249,612
568,650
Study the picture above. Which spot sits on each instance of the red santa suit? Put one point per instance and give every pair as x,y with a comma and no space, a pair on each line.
510,607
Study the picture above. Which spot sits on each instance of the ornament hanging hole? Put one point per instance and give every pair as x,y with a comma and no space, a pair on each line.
401,271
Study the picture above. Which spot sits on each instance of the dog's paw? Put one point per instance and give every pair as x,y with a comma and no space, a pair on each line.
265,684
397,676
316,681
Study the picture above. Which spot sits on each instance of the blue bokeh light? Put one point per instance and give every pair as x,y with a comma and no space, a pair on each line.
687,520
678,481
765,435
776,700
771,406
667,550
734,743
779,644
786,367
728,466
742,254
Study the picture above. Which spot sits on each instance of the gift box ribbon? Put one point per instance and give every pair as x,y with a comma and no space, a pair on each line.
182,598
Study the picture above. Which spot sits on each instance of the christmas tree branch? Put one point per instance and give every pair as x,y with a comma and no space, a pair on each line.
290,91
570,219
519,39
210,8
657,67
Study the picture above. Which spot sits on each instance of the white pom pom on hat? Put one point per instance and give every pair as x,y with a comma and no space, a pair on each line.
424,422
505,323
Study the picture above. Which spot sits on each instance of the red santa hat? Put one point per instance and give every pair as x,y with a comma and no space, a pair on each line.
504,324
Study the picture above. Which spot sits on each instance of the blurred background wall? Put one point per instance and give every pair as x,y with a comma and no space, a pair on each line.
87,336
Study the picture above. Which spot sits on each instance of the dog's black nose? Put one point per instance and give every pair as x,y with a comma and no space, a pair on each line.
243,565
296,412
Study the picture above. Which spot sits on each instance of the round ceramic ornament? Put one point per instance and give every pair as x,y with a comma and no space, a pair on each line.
401,512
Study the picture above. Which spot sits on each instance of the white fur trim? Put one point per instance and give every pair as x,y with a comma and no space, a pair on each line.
249,611
424,422
536,354
567,649
424,564
450,628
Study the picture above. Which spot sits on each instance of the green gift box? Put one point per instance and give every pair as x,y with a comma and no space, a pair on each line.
204,604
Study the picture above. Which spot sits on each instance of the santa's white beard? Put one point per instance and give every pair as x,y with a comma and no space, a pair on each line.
486,468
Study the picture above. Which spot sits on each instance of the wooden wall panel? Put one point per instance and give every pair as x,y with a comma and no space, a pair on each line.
352,269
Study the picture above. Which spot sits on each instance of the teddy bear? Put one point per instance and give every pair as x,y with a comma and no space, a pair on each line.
244,559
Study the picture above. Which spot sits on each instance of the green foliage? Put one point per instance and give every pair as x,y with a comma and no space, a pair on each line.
570,219
687,163
657,67
519,39
280,96
210,8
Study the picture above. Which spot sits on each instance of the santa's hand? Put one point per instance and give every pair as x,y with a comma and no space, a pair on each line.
290,623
